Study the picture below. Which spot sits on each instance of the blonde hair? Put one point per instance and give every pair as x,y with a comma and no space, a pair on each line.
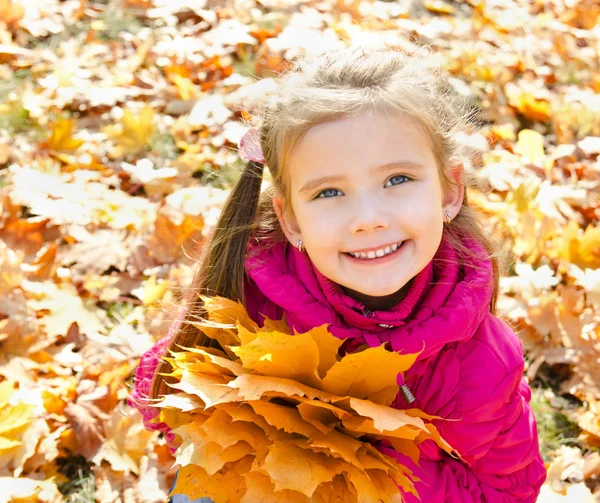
313,90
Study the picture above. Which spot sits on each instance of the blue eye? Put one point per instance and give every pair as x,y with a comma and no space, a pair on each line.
399,176
323,192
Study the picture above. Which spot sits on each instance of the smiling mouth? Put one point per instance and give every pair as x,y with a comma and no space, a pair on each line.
371,256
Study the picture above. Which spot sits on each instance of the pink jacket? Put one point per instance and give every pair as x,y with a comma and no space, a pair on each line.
471,367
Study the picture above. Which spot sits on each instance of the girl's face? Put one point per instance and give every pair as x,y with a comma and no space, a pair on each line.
366,183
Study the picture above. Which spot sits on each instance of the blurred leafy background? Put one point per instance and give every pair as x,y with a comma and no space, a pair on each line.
119,123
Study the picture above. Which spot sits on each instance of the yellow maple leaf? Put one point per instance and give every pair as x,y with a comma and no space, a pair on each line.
259,487
186,89
15,420
295,357
531,145
224,315
336,491
217,366
297,469
134,131
523,196
211,389
61,136
534,108
577,247
321,415
589,247
285,418
353,375
439,7
154,291
227,485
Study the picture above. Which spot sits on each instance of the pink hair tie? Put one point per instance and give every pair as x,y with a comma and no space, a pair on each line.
249,148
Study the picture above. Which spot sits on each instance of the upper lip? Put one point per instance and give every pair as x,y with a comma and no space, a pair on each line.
381,247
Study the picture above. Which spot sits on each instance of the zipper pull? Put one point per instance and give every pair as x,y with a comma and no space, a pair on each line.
406,393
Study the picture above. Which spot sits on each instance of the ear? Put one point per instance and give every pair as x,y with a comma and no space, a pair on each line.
454,195
288,223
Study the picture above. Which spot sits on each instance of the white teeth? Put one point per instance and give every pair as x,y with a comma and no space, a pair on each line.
377,253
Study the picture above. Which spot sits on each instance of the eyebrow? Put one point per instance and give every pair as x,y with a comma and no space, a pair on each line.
317,182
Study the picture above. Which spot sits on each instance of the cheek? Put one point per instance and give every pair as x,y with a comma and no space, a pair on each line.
422,203
322,230
312,213
416,211
312,220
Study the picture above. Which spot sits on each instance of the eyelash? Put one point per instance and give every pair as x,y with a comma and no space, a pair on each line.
318,196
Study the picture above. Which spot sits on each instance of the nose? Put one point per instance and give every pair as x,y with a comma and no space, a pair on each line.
368,216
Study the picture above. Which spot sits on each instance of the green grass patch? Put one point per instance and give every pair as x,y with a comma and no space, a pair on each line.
554,428
15,119
164,146
108,27
223,177
14,83
81,487
246,64
118,312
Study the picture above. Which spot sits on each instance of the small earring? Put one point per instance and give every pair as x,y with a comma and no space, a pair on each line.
299,244
447,215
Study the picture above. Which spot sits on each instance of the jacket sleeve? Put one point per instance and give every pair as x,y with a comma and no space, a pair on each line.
138,398
498,442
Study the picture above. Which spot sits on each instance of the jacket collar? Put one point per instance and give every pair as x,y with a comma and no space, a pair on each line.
356,314
445,303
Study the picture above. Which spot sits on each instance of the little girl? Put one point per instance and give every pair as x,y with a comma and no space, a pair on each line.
366,227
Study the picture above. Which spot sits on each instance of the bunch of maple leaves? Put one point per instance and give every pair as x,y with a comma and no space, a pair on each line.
119,122
277,415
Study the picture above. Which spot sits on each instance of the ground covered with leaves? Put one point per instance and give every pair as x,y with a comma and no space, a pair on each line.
119,123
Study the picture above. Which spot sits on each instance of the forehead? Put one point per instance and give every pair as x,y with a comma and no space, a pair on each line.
356,144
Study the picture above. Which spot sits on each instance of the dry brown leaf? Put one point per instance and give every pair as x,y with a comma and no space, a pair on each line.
99,252
125,443
173,235
59,307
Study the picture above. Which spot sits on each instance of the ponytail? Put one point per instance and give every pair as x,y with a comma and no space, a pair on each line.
221,272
